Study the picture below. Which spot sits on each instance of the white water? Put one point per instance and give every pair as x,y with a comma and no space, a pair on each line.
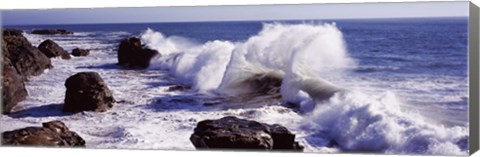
378,123
225,66
303,55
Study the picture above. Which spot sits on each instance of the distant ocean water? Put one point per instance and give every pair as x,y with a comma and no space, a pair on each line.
397,69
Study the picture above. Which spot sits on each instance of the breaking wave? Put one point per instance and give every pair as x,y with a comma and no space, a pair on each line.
293,58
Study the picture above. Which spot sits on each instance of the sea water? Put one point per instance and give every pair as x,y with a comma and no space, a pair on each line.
398,85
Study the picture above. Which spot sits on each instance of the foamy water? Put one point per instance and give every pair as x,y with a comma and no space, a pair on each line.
366,114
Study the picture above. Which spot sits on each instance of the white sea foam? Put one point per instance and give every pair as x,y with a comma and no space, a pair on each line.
228,65
199,65
301,55
360,122
309,58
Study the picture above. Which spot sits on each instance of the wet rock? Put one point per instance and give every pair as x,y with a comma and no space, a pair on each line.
27,59
51,31
234,133
13,85
332,143
12,32
86,91
52,49
265,84
80,52
53,133
179,87
132,54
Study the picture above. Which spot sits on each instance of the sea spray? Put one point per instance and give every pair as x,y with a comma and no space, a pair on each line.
359,122
204,65
201,65
274,49
301,55
226,67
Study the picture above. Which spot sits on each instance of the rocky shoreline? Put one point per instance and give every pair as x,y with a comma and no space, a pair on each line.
86,91
51,31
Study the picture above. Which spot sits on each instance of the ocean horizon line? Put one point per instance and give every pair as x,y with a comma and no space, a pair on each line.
270,20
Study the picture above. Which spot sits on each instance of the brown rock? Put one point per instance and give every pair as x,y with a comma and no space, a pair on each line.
80,52
234,133
13,84
131,53
52,49
53,133
27,59
86,91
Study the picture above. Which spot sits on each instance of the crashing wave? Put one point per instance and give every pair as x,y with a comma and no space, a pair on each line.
291,59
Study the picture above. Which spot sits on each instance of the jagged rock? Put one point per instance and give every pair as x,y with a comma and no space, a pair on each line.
52,49
234,133
265,84
13,84
86,91
51,31
80,52
27,59
12,32
53,133
179,87
131,53
20,60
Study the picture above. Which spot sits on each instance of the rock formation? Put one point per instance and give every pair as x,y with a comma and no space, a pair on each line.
131,53
51,31
80,52
53,133
234,133
86,91
52,49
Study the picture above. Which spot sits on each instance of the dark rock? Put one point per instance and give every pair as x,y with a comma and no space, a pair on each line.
51,31
265,84
131,53
53,133
234,133
80,52
332,144
13,84
179,87
27,59
52,49
211,103
86,91
12,32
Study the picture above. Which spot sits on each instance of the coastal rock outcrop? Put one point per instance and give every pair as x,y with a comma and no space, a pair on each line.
131,53
52,49
86,91
12,32
265,84
20,60
53,133
13,85
235,133
27,59
77,52
51,31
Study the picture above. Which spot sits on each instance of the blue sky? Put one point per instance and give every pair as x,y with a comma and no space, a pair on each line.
235,13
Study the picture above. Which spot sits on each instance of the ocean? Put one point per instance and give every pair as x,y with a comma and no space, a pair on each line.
404,82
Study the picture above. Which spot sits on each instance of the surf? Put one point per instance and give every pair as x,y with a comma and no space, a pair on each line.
292,60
